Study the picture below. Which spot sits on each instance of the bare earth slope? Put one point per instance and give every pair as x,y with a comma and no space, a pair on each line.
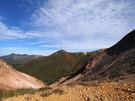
12,79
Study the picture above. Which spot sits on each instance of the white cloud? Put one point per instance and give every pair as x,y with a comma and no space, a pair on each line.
50,46
83,24
11,33
73,25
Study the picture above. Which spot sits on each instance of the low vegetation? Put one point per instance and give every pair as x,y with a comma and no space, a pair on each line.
51,68
11,93
50,92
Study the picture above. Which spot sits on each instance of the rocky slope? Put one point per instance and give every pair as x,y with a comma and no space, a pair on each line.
116,61
122,89
13,79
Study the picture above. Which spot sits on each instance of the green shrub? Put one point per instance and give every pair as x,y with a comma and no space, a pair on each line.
56,91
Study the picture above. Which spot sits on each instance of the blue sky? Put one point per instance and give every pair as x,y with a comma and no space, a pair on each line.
45,26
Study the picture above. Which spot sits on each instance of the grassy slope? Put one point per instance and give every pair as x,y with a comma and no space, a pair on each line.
11,93
90,55
51,68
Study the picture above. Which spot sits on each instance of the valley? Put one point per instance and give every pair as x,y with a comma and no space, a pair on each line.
102,75
67,50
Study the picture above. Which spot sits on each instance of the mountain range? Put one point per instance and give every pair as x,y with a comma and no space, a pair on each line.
104,64
116,61
18,58
51,68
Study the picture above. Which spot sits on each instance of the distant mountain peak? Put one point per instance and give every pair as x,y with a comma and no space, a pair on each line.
18,54
60,52
18,58
12,54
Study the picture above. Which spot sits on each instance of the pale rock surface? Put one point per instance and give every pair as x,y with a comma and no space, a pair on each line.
13,79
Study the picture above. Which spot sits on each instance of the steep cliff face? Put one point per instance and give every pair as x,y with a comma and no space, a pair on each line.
12,79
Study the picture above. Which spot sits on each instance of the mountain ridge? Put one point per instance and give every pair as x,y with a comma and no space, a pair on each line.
60,64
127,42
113,62
18,58
51,68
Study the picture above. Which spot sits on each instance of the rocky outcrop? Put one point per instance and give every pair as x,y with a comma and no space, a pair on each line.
13,79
